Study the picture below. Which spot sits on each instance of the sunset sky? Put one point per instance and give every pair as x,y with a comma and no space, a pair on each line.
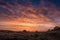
30,15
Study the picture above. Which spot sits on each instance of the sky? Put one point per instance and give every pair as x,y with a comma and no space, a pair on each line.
30,15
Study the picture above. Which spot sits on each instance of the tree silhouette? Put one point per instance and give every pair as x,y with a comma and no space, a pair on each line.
56,28
24,31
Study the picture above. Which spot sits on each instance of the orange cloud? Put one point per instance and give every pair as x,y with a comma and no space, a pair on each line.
29,18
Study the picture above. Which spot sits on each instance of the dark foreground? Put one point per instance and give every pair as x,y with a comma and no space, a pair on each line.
24,35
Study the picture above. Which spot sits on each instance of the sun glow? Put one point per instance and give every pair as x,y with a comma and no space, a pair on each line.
29,17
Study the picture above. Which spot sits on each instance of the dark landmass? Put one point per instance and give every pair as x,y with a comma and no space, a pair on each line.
25,35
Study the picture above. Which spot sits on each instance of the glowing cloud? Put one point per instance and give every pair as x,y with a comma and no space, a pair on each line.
31,17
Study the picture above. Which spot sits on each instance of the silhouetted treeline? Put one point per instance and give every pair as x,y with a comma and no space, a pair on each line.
53,34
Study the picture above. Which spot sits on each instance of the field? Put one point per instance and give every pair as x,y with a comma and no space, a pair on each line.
24,35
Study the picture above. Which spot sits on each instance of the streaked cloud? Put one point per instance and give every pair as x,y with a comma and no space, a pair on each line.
44,17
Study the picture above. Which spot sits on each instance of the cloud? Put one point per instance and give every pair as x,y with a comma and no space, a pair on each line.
46,15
